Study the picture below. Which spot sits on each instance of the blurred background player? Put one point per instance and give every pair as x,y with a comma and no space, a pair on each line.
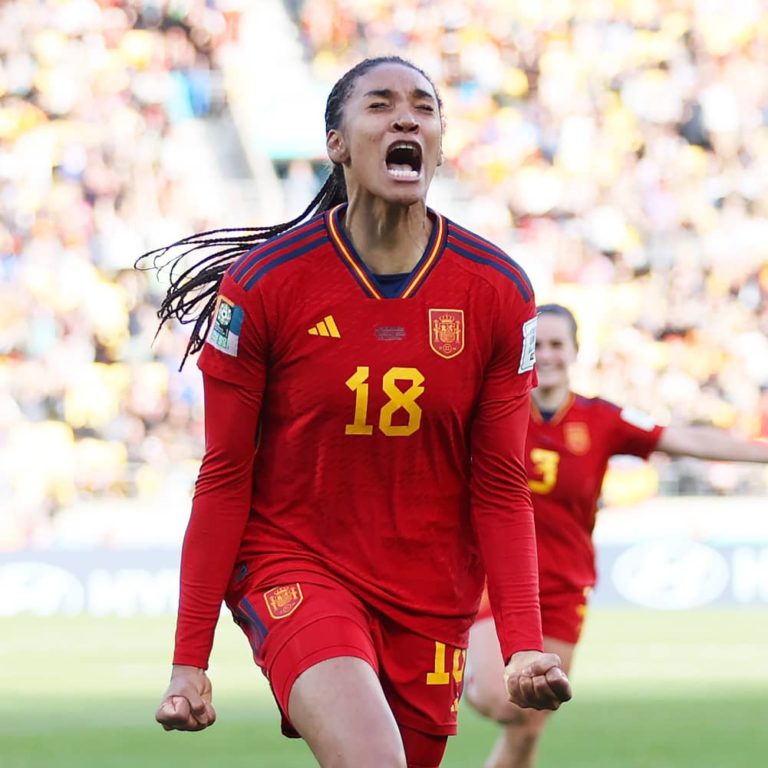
367,375
570,440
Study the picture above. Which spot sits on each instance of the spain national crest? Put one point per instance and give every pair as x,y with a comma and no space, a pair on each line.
577,438
283,601
446,331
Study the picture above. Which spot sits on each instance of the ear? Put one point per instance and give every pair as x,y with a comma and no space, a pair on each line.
336,147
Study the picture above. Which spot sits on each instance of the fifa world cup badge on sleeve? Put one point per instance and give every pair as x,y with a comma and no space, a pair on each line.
227,324
638,419
446,332
283,601
528,356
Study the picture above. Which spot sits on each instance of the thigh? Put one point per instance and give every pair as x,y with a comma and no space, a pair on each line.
339,708
485,669
296,624
485,687
563,649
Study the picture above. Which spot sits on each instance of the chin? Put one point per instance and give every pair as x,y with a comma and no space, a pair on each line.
406,196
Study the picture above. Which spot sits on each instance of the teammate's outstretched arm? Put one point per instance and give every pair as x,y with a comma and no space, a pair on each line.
711,443
536,680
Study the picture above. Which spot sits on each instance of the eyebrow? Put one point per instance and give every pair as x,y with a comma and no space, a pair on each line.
386,93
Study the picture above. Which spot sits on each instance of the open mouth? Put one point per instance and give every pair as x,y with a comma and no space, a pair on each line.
404,160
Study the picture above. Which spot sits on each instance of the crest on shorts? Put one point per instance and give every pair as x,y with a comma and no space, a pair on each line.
577,438
283,601
446,332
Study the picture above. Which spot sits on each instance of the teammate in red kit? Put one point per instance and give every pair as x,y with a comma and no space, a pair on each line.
367,373
570,440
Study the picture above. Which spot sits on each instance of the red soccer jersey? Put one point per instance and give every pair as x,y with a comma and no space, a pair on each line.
372,408
567,458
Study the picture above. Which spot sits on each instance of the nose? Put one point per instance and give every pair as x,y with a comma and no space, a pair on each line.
406,123
542,353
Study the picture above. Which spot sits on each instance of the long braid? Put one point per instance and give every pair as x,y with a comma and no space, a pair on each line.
192,291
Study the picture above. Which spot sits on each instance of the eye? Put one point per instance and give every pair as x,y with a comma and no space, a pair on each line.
426,108
377,105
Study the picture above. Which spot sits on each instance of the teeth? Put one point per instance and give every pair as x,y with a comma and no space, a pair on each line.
403,174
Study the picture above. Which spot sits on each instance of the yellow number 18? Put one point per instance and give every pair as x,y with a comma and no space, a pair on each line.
398,399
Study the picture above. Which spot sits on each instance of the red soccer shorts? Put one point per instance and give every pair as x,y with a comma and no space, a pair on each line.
308,618
562,613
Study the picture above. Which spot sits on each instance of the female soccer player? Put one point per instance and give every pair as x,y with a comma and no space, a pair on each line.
367,375
570,440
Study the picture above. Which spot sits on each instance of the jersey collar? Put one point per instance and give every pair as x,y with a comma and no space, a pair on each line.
365,278
559,413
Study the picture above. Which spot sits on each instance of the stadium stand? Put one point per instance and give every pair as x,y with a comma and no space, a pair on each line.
621,153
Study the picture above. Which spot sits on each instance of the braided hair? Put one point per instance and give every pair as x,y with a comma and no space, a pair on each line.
193,288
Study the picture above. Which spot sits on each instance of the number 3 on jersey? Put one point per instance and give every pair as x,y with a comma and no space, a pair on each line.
545,465
399,399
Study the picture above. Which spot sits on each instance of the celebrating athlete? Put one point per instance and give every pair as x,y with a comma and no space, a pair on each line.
367,371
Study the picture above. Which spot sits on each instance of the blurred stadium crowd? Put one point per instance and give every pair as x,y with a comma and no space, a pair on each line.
618,148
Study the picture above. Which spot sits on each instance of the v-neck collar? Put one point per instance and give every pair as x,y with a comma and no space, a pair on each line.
557,416
364,277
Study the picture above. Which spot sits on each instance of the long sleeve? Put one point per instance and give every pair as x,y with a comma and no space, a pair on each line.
503,517
220,510
501,501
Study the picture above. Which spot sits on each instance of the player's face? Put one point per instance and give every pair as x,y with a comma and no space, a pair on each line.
390,136
555,351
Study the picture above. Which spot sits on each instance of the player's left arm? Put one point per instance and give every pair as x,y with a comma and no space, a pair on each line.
711,443
503,514
501,508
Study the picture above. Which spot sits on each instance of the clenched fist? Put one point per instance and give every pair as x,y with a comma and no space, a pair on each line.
186,704
536,680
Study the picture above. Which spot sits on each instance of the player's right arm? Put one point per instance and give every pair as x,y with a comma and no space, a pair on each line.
711,443
233,386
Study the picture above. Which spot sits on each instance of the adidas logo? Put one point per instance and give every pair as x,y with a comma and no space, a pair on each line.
326,327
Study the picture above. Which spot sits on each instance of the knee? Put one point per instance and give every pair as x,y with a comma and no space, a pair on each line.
377,756
529,723
492,702
389,758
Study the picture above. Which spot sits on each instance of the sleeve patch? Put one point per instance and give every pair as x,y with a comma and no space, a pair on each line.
638,419
227,324
528,356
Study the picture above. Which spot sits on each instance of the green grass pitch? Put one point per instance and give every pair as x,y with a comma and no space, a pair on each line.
652,690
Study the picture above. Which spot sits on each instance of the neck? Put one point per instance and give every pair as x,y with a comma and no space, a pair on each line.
389,238
550,398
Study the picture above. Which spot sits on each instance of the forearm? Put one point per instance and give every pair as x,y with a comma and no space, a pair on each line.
712,444
503,519
509,554
220,511
210,549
